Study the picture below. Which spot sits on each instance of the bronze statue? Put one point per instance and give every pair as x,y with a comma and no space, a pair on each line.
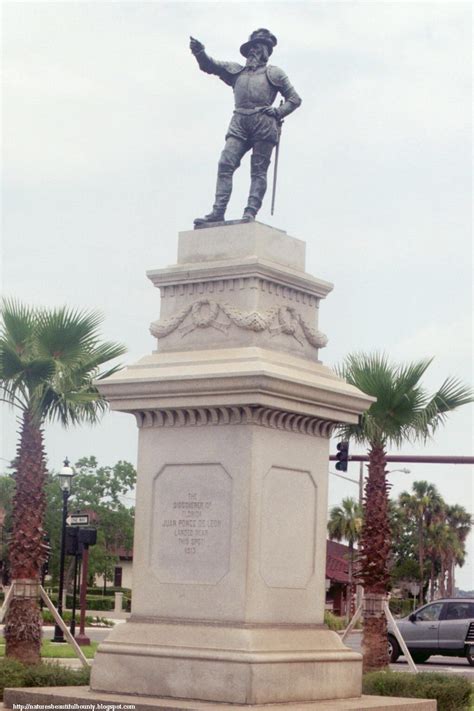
255,123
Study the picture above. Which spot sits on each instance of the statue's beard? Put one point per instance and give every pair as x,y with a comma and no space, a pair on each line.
254,61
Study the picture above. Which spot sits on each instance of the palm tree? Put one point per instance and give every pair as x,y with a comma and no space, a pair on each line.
435,543
426,508
345,522
48,361
459,522
402,412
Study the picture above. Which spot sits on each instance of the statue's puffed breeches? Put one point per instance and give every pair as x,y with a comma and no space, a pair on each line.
253,127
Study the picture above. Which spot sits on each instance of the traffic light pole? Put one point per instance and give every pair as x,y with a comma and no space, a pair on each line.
410,459
74,594
82,638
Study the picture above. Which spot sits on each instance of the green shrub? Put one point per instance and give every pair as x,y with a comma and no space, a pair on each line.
67,617
93,602
11,674
102,621
14,674
54,674
108,591
334,622
451,692
48,619
400,607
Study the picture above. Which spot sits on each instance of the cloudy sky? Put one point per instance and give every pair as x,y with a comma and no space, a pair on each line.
111,137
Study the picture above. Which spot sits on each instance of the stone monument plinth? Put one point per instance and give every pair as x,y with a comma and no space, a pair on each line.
234,411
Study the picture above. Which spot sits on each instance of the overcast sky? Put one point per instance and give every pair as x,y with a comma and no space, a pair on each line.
111,137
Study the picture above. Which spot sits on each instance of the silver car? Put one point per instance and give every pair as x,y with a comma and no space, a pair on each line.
444,627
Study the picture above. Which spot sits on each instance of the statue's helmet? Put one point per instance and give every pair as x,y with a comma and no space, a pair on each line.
260,35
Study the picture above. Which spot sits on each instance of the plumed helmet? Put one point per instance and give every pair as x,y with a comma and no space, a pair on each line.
260,35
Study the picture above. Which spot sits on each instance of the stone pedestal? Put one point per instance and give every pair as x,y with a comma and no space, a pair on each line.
234,411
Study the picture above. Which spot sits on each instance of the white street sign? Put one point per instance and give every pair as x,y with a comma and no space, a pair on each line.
78,520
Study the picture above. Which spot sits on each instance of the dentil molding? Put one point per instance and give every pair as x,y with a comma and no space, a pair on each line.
235,415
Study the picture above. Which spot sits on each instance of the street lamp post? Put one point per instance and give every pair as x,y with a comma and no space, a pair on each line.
65,479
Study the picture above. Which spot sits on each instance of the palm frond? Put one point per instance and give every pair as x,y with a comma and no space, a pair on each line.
100,354
49,359
403,411
65,334
11,363
17,322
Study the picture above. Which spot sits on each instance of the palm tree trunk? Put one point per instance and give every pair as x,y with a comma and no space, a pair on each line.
27,548
350,576
432,580
374,556
421,558
442,577
450,563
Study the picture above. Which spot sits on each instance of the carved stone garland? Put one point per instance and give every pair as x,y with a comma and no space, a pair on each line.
205,314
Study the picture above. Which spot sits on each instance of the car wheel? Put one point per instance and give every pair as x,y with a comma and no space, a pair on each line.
470,659
393,649
419,657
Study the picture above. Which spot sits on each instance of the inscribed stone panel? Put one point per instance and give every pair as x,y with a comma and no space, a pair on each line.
191,524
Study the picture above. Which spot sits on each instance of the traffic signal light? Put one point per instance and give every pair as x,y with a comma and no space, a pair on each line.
77,538
342,456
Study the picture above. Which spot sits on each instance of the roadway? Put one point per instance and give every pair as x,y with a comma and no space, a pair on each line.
448,665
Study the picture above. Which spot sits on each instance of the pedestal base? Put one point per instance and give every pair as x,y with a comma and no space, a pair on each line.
247,664
235,412
61,696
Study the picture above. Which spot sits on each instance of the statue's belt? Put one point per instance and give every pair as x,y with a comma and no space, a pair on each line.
249,112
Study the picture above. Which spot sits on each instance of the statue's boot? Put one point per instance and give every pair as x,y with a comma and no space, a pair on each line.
214,216
227,165
249,214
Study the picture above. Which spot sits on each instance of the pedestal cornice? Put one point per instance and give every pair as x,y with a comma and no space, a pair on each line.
234,377
248,268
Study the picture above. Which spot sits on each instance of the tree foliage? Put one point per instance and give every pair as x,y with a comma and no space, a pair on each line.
49,361
431,539
104,492
403,411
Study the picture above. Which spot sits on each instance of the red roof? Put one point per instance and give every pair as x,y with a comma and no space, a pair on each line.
337,562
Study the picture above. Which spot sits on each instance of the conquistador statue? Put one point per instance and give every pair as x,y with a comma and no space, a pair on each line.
255,122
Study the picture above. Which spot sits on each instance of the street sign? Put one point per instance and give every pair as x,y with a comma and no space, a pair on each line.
75,519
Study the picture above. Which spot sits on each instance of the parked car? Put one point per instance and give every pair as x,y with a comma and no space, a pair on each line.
444,627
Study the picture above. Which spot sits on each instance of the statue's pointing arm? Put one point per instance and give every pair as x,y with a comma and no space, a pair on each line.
227,71
292,100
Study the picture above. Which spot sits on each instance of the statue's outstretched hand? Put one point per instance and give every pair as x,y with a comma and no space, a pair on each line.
195,45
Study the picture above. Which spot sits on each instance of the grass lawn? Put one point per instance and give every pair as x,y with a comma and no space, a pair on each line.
60,651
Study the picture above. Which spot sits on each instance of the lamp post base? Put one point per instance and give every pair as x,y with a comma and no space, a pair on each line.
58,635
82,640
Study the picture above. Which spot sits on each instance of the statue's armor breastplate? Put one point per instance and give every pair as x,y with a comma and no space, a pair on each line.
252,89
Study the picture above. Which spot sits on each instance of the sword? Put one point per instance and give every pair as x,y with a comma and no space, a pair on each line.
275,168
